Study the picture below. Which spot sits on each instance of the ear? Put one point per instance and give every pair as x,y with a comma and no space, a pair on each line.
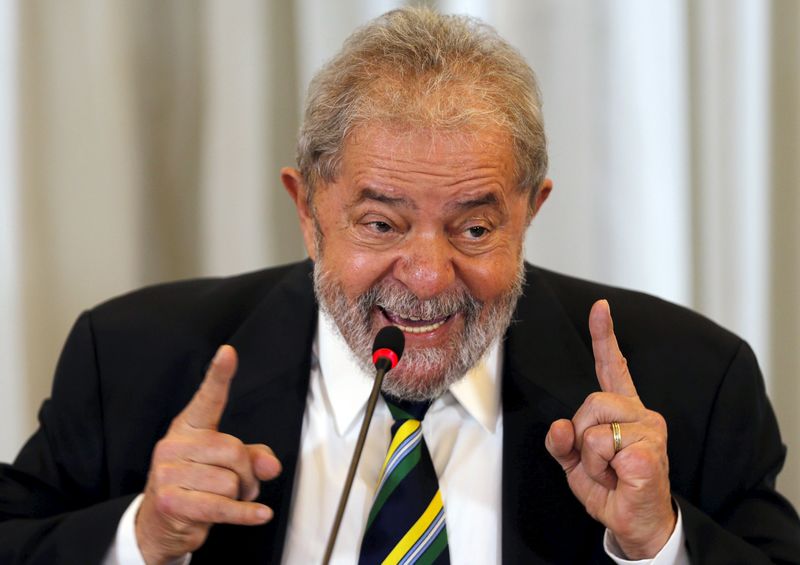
293,182
541,195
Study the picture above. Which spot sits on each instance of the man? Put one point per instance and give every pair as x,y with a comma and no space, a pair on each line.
421,163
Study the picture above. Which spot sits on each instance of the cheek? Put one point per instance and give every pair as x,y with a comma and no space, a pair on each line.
356,269
488,278
354,266
492,275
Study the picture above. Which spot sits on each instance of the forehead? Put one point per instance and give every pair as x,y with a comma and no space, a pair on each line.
420,149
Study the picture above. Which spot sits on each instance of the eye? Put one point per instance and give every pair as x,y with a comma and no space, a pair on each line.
381,227
477,232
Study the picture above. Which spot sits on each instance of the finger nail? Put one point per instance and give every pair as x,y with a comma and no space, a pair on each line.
264,513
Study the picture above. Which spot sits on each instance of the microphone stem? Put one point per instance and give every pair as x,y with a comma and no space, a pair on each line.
351,473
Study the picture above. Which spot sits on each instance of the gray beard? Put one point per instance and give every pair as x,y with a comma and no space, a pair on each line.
424,373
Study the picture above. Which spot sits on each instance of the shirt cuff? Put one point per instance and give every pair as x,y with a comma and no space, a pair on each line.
673,552
125,549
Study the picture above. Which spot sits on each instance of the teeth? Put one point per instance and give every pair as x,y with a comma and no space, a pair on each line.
421,329
414,319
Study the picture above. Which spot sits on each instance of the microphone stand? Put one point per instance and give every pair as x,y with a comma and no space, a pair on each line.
383,365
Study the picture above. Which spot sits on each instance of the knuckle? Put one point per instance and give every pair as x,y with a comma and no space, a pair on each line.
229,485
593,439
164,450
213,448
166,501
641,462
162,474
594,399
224,452
230,448
659,422
237,457
207,514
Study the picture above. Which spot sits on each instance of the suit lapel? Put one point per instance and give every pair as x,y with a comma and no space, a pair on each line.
547,375
266,405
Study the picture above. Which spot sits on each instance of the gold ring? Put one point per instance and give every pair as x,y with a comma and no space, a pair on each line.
615,430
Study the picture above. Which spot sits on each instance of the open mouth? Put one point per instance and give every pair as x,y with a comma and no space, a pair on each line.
414,325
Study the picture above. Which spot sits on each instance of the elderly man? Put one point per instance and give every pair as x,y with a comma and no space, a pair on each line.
421,163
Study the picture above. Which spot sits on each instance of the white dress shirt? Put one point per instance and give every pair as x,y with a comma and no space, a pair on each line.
463,430
464,433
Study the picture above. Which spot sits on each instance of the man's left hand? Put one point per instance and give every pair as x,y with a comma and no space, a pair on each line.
627,489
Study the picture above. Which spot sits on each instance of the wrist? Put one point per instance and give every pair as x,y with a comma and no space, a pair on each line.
649,545
150,552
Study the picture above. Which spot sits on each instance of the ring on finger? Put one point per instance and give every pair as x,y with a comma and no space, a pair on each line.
617,433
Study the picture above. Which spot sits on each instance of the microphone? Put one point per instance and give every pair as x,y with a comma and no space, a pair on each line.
386,352
388,348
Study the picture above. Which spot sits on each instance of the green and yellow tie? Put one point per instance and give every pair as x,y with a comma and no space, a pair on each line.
406,524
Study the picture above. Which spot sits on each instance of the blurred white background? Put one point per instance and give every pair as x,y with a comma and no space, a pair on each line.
140,141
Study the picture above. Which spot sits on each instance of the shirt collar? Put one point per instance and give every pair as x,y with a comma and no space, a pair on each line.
347,386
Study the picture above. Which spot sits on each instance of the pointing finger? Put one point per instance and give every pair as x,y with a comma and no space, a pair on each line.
205,409
610,364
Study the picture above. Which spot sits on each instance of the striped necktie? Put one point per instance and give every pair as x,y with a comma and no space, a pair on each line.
406,522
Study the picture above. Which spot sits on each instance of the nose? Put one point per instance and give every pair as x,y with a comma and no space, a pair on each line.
426,266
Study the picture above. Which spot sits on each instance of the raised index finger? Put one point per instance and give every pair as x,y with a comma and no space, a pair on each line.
610,364
205,409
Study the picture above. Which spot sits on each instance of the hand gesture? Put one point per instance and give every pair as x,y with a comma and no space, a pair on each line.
622,477
199,476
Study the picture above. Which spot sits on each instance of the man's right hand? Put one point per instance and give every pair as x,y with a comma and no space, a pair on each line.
199,476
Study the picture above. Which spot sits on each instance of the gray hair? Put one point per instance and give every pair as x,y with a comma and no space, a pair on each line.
414,67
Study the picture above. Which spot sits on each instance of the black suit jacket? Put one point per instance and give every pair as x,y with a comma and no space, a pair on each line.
130,365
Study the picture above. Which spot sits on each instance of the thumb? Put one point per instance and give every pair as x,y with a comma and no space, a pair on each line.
265,465
560,443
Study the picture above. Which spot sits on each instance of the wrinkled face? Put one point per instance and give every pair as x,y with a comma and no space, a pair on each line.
422,230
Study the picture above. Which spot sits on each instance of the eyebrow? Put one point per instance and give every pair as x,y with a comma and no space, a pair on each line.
375,195
488,199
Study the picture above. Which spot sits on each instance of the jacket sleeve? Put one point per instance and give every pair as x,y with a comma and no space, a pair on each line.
745,519
55,502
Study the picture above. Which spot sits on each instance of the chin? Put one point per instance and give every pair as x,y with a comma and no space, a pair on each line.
423,374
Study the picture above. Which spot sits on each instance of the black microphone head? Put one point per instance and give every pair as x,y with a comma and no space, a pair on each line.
388,344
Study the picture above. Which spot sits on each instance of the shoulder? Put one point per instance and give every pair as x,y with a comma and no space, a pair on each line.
639,318
679,359
205,308
684,365
150,348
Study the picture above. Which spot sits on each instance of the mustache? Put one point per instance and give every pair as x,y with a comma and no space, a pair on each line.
397,299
